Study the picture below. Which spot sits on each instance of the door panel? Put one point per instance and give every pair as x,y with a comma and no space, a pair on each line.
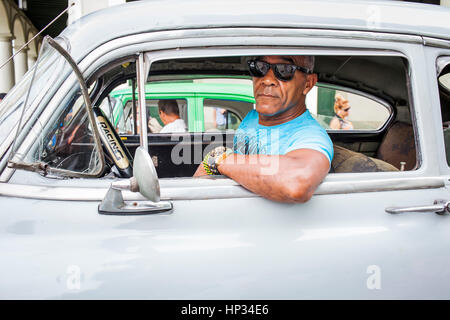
248,248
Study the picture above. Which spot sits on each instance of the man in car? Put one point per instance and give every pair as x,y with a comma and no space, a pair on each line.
280,151
170,116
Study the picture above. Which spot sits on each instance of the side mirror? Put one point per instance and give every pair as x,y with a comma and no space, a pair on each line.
144,180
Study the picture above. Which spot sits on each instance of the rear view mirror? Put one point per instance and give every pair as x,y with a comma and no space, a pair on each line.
145,181
145,175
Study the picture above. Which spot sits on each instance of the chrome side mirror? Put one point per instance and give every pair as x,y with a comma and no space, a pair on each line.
145,181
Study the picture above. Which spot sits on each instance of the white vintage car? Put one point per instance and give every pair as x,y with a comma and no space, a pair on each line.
93,210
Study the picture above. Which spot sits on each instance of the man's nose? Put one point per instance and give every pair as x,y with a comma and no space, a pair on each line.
270,79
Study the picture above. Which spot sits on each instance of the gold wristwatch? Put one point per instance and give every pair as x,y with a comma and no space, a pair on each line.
214,158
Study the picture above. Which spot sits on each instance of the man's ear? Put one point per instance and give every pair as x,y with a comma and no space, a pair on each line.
311,80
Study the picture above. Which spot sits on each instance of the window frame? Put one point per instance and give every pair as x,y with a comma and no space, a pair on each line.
381,181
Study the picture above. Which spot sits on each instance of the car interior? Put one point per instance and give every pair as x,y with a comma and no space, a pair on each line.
389,147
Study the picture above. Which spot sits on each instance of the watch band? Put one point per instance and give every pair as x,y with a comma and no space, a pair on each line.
214,158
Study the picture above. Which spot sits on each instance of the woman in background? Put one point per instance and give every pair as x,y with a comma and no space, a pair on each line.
341,110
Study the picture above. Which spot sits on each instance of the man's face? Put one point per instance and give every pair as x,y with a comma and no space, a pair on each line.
274,96
163,117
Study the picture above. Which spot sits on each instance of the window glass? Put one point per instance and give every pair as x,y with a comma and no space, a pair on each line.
62,140
119,108
174,119
67,140
221,115
444,95
342,110
50,69
444,81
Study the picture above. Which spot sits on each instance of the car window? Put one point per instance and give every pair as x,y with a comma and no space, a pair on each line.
49,70
444,96
221,115
444,81
370,111
200,101
66,142
118,105
123,114
340,109
155,123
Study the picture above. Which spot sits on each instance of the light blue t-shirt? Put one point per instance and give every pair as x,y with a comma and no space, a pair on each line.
303,132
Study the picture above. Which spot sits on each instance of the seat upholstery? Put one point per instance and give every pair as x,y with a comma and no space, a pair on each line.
398,145
350,161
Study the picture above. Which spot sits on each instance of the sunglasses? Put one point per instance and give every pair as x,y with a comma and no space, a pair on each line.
282,71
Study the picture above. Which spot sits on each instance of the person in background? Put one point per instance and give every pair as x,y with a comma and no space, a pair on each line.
170,116
221,118
341,110
153,125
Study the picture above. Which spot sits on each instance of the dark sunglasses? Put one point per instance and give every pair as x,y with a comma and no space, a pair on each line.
282,71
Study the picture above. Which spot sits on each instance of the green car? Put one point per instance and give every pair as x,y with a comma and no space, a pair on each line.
197,101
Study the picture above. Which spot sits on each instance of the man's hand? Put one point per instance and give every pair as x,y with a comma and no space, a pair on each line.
200,171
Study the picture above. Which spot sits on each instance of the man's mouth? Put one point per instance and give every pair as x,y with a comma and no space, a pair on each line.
266,95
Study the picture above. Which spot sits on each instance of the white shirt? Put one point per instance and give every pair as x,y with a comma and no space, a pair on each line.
175,126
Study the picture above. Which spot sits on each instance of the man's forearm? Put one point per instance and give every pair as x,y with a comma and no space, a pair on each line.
274,177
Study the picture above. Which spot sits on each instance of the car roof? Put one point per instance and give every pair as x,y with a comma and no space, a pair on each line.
146,16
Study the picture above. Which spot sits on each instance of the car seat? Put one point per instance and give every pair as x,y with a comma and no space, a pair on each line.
398,145
345,160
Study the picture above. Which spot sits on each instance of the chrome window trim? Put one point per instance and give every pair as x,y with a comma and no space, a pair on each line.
181,36
221,188
435,42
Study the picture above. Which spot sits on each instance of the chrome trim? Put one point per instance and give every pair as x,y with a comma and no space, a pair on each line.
439,207
219,188
438,43
141,77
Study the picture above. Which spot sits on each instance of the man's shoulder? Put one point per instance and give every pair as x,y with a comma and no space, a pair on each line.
175,126
250,121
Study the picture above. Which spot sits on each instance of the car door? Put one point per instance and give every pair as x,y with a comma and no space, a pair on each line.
221,241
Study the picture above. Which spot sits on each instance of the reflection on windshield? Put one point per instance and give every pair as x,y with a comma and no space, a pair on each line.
56,137
67,142
48,67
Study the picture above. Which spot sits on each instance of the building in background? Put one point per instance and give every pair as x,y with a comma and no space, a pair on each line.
15,30
21,20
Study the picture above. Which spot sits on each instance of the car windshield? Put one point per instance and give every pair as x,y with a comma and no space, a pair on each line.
48,67
61,136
